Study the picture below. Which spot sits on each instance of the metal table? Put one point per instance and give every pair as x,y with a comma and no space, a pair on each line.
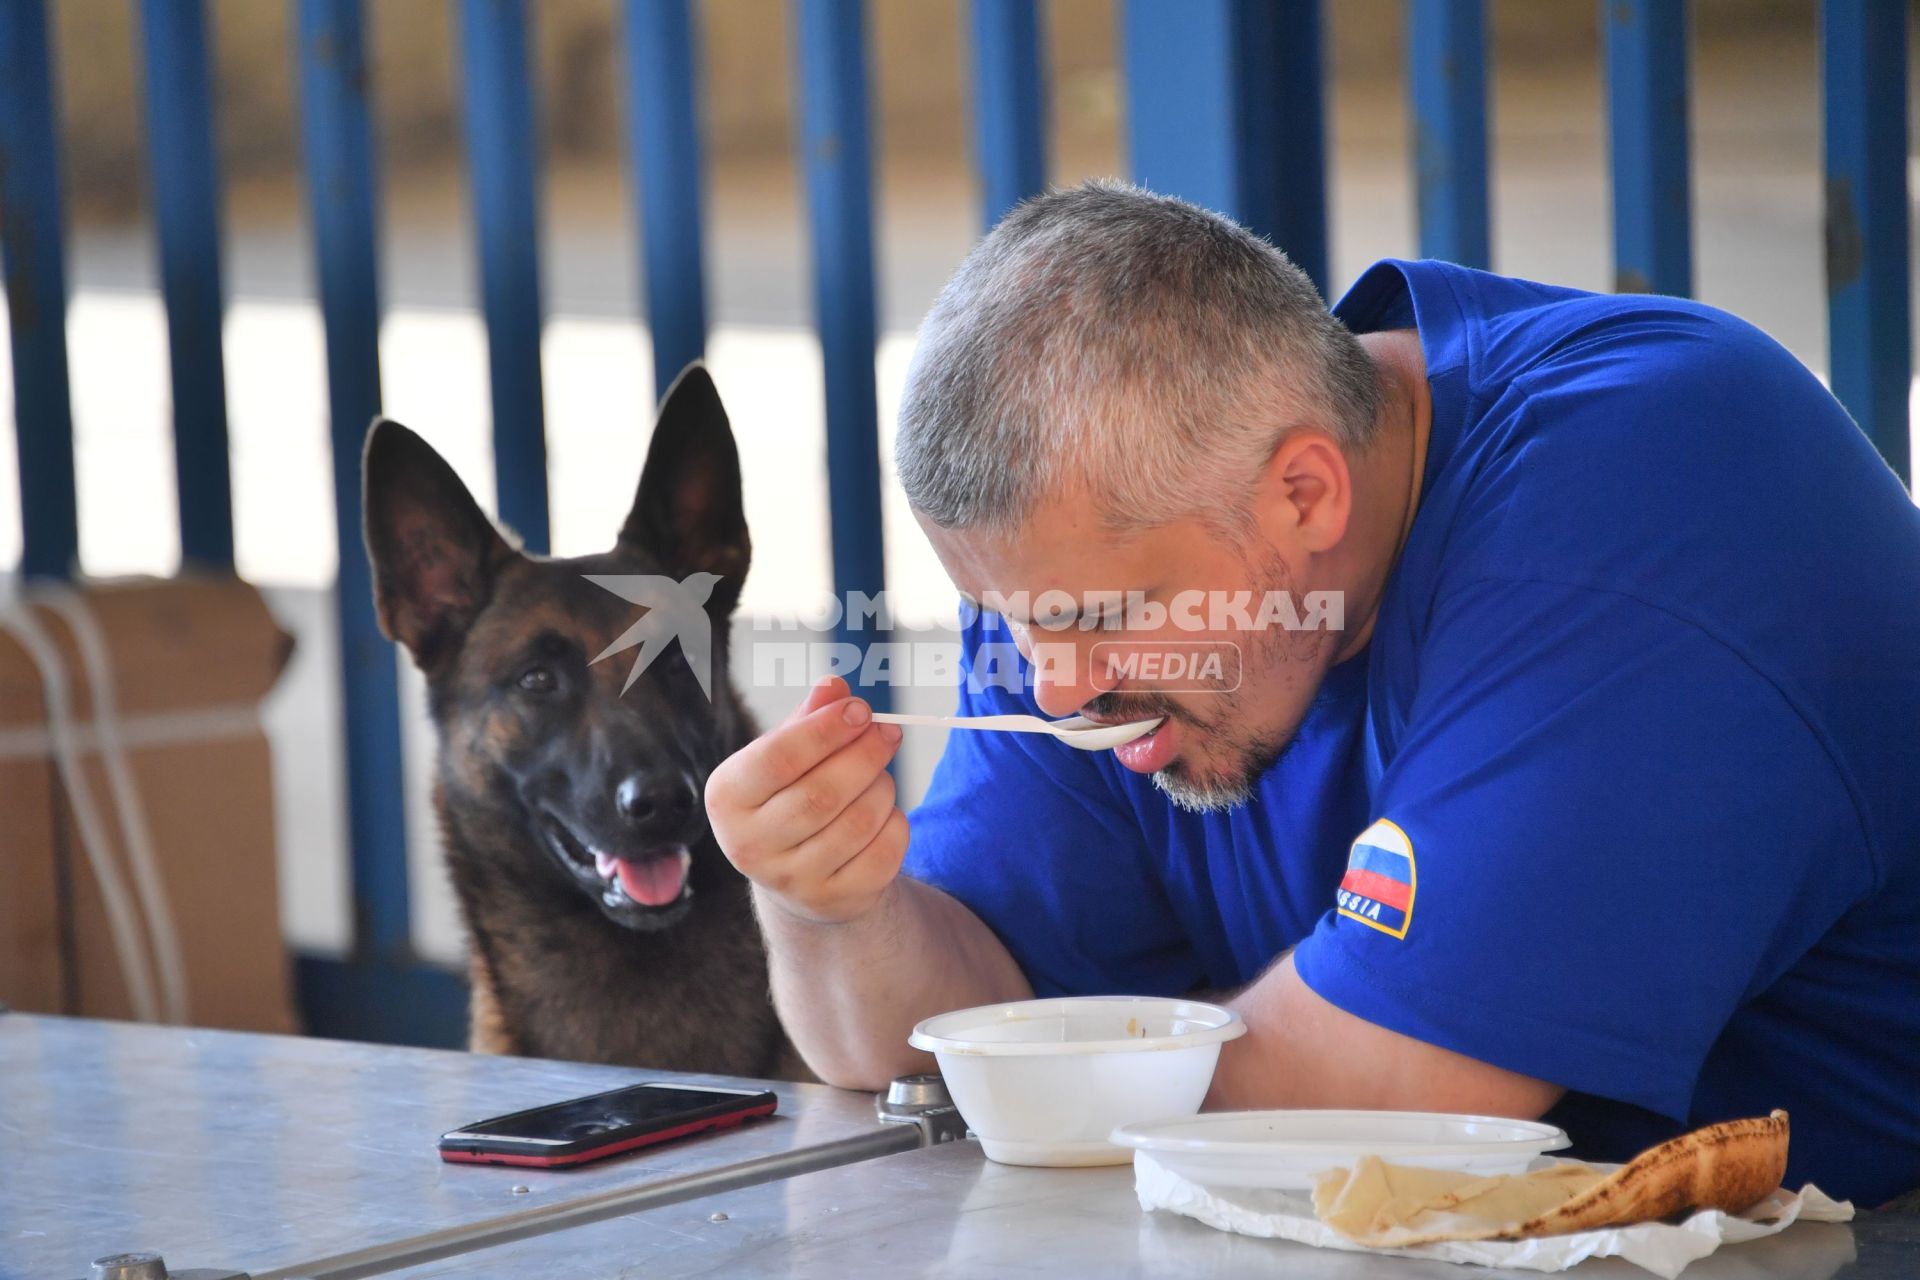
267,1153
285,1157
948,1211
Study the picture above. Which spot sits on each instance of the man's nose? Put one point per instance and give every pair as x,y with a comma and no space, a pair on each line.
1067,676
657,805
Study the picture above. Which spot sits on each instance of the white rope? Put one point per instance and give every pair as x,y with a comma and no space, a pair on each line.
138,732
147,883
122,923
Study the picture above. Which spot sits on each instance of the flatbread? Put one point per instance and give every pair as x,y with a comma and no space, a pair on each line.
1377,1199
1731,1166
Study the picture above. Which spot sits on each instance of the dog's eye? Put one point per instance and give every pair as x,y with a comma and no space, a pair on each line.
537,680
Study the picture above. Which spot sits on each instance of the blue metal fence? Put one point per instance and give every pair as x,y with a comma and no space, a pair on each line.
504,162
664,132
1863,57
1447,87
1009,104
176,51
833,139
1646,51
1226,106
337,134
35,269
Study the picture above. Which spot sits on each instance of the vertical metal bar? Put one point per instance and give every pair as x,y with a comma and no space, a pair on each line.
663,132
186,203
1224,110
502,156
1009,104
1283,143
1863,47
1646,50
31,257
1447,77
831,75
338,137
1183,100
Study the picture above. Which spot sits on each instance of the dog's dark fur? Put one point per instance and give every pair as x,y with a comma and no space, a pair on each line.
536,741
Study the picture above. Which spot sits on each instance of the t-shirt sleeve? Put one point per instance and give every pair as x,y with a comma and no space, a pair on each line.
1602,832
1032,837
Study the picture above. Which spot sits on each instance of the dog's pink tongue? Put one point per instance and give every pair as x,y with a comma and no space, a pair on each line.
655,881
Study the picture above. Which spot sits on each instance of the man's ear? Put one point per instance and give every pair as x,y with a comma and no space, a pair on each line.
434,552
1307,492
688,513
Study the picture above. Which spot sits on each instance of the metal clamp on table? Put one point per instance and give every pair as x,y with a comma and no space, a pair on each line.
151,1266
922,1100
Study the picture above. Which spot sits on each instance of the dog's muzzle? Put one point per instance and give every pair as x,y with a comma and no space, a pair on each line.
647,889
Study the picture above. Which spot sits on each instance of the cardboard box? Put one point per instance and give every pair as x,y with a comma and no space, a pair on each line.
190,659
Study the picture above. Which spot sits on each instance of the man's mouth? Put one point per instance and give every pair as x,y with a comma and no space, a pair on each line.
653,879
1150,753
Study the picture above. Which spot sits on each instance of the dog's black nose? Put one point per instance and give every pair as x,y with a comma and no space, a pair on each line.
657,804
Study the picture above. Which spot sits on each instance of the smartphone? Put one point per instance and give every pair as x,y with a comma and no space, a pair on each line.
603,1124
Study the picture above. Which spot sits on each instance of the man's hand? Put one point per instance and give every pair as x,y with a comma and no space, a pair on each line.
856,952
807,811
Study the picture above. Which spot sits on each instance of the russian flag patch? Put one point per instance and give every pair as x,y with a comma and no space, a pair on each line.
1378,887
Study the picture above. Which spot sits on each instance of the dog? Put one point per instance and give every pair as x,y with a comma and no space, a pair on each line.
604,923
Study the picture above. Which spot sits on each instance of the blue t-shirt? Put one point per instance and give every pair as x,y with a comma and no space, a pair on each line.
1624,793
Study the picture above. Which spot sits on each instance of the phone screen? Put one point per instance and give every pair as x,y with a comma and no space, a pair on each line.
583,1118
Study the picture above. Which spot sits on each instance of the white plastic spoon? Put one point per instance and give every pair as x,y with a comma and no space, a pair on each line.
1075,731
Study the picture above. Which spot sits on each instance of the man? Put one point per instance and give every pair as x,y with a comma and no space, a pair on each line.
1601,802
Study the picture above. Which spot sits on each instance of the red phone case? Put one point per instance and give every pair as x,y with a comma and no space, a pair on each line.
726,1121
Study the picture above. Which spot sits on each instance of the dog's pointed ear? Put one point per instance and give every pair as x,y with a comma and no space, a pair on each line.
434,552
688,513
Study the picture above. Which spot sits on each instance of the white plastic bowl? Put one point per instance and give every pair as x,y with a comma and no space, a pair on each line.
1046,1081
1287,1150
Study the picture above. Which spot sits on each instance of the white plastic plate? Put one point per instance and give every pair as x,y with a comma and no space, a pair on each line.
1286,1150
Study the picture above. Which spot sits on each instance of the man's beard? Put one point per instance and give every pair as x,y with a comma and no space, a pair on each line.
1221,731
1220,786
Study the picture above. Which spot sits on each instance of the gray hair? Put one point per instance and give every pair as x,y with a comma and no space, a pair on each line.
1132,345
